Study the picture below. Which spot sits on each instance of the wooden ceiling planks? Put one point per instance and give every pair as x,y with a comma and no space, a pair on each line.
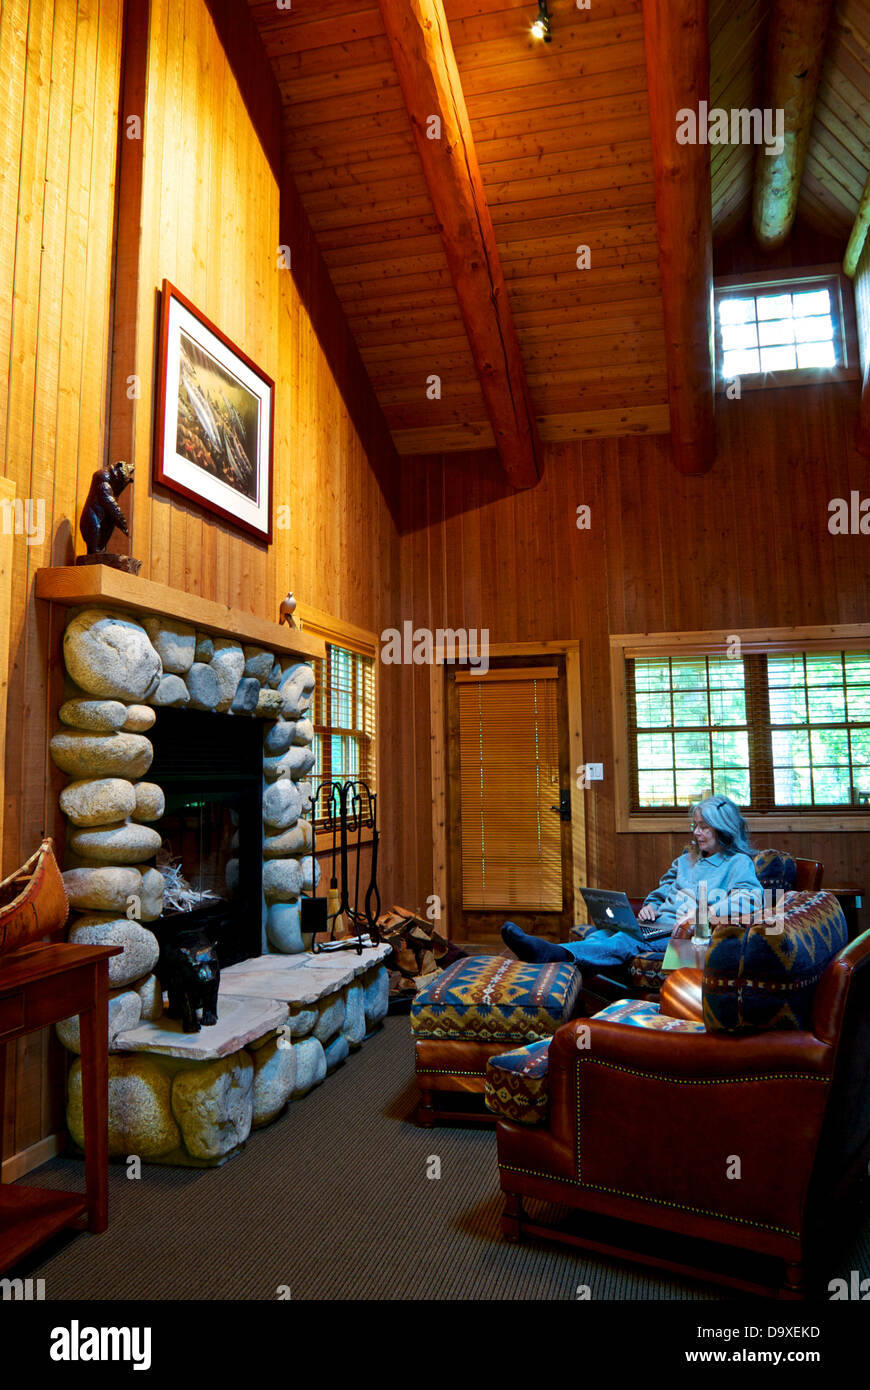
562,137
838,156
737,37
563,141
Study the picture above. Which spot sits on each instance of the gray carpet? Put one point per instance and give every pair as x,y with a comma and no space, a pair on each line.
333,1201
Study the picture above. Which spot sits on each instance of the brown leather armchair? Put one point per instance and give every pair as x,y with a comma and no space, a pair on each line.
706,1143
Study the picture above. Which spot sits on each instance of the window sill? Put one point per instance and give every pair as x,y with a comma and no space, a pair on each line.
772,381
796,824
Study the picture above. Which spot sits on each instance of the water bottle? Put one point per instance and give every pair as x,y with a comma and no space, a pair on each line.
702,920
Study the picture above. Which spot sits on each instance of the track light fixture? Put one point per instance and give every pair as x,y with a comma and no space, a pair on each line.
541,25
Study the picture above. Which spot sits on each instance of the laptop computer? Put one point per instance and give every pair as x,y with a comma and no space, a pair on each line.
611,911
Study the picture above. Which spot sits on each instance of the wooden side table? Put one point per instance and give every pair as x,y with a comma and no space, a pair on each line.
41,985
849,897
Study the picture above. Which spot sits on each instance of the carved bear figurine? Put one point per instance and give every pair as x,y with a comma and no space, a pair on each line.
101,513
189,971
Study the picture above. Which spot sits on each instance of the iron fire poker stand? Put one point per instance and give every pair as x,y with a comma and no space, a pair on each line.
344,810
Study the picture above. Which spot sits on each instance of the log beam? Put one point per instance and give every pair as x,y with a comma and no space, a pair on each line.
678,78
795,50
429,78
858,235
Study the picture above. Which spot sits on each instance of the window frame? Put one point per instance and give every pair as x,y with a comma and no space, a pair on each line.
763,641
335,632
848,370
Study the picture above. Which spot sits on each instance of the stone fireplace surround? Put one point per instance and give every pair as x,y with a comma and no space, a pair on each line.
285,1018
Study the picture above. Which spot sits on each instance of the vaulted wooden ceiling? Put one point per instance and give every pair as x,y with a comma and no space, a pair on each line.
562,135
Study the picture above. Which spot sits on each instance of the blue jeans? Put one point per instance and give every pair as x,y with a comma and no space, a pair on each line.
601,948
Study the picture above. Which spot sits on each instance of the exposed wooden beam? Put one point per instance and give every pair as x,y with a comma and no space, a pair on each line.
678,78
862,315
125,264
426,67
858,235
795,50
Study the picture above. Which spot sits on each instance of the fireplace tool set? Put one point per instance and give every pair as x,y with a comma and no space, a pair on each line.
344,810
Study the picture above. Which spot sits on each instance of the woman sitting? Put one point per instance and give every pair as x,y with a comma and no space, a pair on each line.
719,858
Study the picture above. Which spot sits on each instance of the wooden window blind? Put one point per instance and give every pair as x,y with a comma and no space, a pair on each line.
776,731
509,779
344,718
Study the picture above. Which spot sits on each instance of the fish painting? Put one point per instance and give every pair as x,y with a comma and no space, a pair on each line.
217,420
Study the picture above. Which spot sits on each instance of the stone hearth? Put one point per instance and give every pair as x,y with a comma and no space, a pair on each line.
284,1023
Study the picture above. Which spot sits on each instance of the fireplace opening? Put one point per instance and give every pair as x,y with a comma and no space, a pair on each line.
210,767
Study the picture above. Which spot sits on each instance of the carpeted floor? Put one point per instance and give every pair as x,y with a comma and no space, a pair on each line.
333,1201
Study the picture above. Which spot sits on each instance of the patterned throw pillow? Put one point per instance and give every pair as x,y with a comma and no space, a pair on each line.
776,870
763,975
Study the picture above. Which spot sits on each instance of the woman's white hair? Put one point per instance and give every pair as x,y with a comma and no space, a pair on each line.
724,818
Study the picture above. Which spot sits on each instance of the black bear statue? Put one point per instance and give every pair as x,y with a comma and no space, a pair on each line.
189,971
101,513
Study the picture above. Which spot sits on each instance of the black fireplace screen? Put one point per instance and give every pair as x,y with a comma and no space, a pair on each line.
210,769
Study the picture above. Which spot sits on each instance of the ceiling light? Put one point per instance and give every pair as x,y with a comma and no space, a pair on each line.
541,25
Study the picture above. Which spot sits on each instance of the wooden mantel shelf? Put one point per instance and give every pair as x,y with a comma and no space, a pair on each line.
101,585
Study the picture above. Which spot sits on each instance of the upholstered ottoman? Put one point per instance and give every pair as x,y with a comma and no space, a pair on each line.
517,1086
478,1008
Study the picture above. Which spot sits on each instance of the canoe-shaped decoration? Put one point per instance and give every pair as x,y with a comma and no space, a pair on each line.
33,901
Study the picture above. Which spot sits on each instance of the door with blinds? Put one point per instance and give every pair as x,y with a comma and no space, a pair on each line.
509,800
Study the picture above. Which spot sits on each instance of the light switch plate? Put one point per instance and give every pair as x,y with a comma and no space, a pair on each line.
594,772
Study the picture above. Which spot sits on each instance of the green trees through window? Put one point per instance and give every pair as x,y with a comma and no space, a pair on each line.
771,731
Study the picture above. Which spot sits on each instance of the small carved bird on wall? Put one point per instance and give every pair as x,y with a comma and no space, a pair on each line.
288,608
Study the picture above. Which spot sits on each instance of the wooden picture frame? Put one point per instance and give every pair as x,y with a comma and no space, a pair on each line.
214,427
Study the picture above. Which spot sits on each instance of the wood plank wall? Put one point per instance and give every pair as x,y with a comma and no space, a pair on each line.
210,225
745,546
59,68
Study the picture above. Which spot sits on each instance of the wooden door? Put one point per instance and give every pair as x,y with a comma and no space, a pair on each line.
509,799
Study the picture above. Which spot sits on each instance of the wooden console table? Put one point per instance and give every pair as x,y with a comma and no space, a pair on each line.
41,985
849,898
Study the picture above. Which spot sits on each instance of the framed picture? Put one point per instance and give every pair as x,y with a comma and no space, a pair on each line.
214,428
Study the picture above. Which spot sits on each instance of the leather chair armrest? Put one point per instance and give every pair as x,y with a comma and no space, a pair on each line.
686,1055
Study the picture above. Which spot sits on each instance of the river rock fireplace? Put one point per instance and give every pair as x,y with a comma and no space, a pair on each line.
189,755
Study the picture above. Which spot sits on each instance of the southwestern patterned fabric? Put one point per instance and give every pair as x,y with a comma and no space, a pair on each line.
516,1083
763,975
492,999
775,869
642,1013
645,972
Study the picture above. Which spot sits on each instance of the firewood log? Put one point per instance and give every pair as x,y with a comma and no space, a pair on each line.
407,960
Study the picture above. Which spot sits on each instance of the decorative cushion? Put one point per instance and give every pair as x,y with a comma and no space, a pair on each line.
516,1083
642,1013
775,869
645,972
762,975
492,999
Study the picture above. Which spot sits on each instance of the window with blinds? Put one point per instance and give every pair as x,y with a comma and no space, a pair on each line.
344,718
509,779
777,731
